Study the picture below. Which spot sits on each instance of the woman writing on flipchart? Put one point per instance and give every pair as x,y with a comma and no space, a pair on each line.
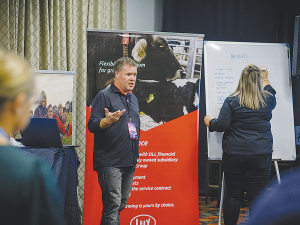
247,141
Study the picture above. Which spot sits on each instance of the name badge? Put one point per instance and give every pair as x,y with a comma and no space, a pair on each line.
132,130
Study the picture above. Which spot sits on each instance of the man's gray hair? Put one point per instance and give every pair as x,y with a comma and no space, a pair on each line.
124,61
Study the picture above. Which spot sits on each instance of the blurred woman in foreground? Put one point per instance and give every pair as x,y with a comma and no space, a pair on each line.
247,141
28,191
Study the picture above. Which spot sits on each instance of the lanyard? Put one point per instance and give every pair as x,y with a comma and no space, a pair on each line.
4,134
127,105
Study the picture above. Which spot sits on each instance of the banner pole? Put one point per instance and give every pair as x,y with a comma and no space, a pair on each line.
221,200
277,171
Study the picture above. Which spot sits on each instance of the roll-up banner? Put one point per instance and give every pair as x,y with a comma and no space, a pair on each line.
165,185
54,95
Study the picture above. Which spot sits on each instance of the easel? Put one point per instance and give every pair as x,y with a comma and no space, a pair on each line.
222,189
213,186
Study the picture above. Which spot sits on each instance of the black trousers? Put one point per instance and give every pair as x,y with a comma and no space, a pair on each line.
250,173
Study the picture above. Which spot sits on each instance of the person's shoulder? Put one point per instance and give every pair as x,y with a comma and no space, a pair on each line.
270,89
134,97
291,176
27,176
232,99
37,108
107,89
20,164
265,209
104,92
15,153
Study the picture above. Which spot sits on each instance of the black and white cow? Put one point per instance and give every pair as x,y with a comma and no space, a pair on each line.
156,59
161,92
152,53
165,101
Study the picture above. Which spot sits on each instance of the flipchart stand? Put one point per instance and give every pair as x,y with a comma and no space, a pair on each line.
222,189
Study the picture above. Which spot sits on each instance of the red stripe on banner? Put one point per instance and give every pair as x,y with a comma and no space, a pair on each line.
165,190
92,194
125,40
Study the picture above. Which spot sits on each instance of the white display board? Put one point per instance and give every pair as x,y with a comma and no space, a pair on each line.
223,64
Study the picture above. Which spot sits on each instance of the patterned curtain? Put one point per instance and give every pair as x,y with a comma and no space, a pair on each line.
51,34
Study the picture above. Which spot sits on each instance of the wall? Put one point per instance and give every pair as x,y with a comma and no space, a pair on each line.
144,15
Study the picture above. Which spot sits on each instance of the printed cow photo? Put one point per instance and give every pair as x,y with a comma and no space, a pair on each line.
164,89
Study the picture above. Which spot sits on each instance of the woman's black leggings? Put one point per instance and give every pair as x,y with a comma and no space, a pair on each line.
248,173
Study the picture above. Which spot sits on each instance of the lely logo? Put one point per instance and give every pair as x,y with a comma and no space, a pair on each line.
143,220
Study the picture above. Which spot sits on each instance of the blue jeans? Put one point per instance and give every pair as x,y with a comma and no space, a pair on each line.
115,183
248,173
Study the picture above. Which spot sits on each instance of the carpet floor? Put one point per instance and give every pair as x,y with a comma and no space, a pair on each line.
209,214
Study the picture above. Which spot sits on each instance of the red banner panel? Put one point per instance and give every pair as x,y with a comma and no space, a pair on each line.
165,185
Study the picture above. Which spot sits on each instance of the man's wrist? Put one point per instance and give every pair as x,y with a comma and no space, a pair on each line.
104,123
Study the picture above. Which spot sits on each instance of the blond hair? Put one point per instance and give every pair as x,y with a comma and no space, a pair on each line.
124,61
250,89
16,76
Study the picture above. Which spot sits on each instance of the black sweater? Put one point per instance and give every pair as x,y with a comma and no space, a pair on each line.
113,146
247,131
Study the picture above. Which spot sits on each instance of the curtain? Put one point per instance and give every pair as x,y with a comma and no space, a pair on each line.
51,35
233,20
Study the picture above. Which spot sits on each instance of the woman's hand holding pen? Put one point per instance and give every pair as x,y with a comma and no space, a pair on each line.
264,75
